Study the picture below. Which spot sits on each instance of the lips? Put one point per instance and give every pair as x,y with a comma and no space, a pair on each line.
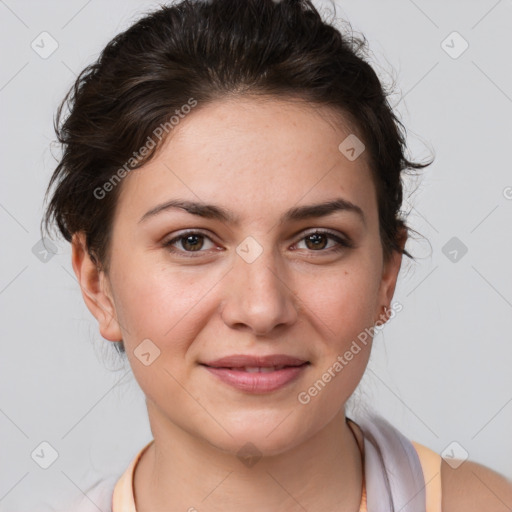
257,374
255,363
260,369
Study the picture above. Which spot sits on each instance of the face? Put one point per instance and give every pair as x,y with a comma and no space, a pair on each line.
195,286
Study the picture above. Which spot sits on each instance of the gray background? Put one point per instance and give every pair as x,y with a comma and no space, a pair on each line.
440,371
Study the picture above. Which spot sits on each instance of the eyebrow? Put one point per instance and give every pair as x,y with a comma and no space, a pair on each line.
210,211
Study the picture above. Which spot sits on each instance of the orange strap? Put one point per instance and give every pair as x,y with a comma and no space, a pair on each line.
123,499
431,465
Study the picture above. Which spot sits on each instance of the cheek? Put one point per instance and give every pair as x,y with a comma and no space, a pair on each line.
344,302
166,306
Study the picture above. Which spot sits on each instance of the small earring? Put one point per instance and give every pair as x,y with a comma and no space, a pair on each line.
383,317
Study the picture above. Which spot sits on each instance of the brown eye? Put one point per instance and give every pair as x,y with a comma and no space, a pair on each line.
317,241
188,242
192,242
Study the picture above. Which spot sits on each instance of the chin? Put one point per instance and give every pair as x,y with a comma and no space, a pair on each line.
265,436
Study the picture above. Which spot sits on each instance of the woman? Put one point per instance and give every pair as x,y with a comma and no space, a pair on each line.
231,187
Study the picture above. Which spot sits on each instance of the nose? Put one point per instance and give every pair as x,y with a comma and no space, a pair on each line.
259,297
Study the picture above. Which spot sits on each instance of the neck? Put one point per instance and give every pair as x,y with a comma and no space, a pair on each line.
181,472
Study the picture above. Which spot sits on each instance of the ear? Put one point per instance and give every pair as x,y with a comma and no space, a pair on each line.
95,289
390,271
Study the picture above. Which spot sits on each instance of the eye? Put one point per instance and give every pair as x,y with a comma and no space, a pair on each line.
316,241
189,241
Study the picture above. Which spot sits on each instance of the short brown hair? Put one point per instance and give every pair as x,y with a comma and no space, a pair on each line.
208,50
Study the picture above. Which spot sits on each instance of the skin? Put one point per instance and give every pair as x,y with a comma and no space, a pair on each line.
257,159
473,487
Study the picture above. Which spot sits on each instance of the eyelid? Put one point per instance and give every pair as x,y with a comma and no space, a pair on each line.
343,242
324,231
167,242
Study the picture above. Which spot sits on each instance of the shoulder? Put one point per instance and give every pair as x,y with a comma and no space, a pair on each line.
473,487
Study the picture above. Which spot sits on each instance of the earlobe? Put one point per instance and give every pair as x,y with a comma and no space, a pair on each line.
391,269
390,275
95,289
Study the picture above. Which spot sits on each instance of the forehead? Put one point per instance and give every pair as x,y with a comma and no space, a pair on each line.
253,156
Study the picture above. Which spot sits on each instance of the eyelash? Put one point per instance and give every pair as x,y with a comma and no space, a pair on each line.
343,244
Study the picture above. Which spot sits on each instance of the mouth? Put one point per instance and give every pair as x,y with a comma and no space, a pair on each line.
258,379
236,361
256,369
